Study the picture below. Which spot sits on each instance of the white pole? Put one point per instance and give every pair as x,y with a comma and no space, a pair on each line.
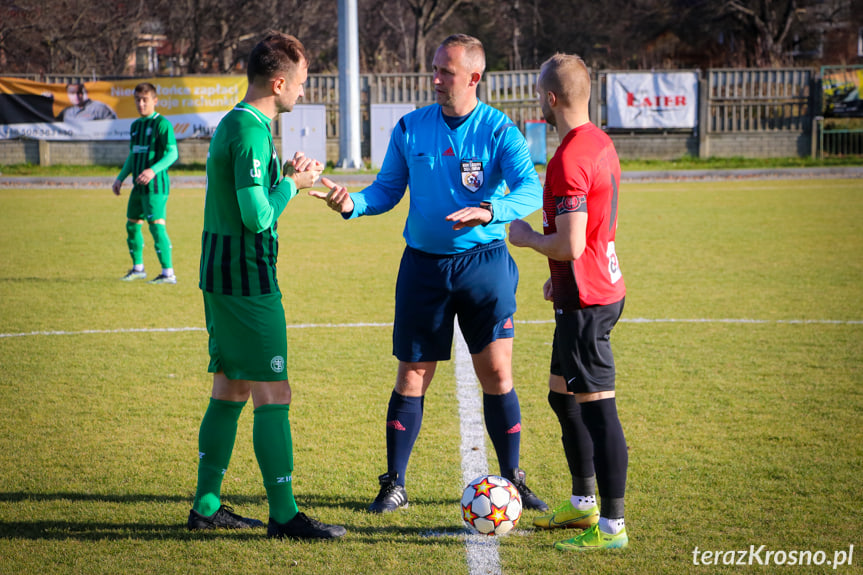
350,155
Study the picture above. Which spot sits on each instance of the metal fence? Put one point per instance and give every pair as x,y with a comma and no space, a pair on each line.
755,100
734,100
512,92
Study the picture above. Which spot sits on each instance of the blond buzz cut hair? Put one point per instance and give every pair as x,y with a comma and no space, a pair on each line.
567,76
473,50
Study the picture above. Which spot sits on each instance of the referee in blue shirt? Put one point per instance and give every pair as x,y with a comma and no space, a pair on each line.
458,157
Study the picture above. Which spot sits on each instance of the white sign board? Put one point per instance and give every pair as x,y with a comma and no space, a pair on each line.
652,99
384,118
305,129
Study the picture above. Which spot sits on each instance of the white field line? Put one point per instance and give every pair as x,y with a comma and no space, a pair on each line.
482,551
381,324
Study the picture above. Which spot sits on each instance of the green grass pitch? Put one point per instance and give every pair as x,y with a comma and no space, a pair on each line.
744,419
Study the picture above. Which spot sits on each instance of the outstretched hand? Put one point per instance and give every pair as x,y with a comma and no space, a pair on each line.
338,198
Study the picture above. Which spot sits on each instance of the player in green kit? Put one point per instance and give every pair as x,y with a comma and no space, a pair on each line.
245,319
152,149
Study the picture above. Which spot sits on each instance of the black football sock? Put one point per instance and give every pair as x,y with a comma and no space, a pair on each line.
610,454
577,442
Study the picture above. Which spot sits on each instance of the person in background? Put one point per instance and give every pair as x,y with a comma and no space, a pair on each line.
152,149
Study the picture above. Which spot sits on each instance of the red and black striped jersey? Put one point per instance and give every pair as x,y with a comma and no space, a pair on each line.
584,175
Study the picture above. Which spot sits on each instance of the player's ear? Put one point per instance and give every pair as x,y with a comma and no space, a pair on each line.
475,78
279,84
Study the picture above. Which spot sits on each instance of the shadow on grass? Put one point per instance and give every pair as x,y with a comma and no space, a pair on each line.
316,501
104,531
53,529
15,497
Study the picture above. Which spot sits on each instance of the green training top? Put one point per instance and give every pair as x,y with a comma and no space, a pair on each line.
245,196
152,145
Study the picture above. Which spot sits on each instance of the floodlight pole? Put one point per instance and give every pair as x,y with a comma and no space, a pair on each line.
350,155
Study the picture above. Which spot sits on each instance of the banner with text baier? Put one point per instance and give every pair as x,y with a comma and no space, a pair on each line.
652,99
105,110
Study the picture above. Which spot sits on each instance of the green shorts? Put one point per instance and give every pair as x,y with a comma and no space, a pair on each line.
146,206
247,336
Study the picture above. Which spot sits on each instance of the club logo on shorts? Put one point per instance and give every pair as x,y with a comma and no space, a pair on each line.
277,364
472,175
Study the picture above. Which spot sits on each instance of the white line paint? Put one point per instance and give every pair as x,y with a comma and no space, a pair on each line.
526,322
482,550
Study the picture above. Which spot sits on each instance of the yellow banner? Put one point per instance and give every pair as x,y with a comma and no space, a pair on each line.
104,109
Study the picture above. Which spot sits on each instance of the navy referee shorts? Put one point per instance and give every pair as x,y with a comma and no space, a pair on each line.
477,286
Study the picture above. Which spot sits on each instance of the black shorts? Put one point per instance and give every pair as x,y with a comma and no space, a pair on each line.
581,350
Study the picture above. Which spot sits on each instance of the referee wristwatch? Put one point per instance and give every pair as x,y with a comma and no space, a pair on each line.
487,206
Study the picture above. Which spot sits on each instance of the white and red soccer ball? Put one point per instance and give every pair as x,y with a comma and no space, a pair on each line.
491,505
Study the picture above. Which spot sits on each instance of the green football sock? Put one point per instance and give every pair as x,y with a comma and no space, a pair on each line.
163,244
215,445
135,241
271,436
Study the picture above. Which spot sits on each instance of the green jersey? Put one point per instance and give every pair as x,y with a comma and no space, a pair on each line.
245,196
152,145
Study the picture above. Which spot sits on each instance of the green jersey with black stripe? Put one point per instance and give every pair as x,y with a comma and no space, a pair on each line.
151,139
245,196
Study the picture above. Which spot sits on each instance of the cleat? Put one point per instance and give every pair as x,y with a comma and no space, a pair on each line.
163,279
224,518
567,516
304,527
592,538
134,275
529,500
391,496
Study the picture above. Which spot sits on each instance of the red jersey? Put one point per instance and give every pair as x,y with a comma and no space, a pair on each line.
584,175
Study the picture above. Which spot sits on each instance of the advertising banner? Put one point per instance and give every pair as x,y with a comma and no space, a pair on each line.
841,88
105,110
652,99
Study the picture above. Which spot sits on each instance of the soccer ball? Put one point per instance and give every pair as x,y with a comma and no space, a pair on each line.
491,505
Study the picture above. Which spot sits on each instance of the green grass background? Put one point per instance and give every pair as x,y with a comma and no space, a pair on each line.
740,433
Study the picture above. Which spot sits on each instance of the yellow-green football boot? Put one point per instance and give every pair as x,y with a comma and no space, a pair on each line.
567,516
592,538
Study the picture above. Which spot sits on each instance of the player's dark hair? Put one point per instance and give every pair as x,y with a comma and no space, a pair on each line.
472,47
145,88
276,53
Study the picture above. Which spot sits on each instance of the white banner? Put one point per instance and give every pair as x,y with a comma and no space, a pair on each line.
652,100
185,126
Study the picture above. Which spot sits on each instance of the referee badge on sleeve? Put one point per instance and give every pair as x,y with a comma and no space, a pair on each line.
472,175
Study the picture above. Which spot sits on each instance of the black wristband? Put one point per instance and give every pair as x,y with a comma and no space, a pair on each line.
487,206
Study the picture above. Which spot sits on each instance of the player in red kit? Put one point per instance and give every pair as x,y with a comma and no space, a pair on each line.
587,290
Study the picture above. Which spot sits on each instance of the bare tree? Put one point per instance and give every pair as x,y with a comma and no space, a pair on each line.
386,29
78,37
428,15
771,21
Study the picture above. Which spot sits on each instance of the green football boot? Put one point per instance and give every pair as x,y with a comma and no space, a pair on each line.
567,516
592,538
